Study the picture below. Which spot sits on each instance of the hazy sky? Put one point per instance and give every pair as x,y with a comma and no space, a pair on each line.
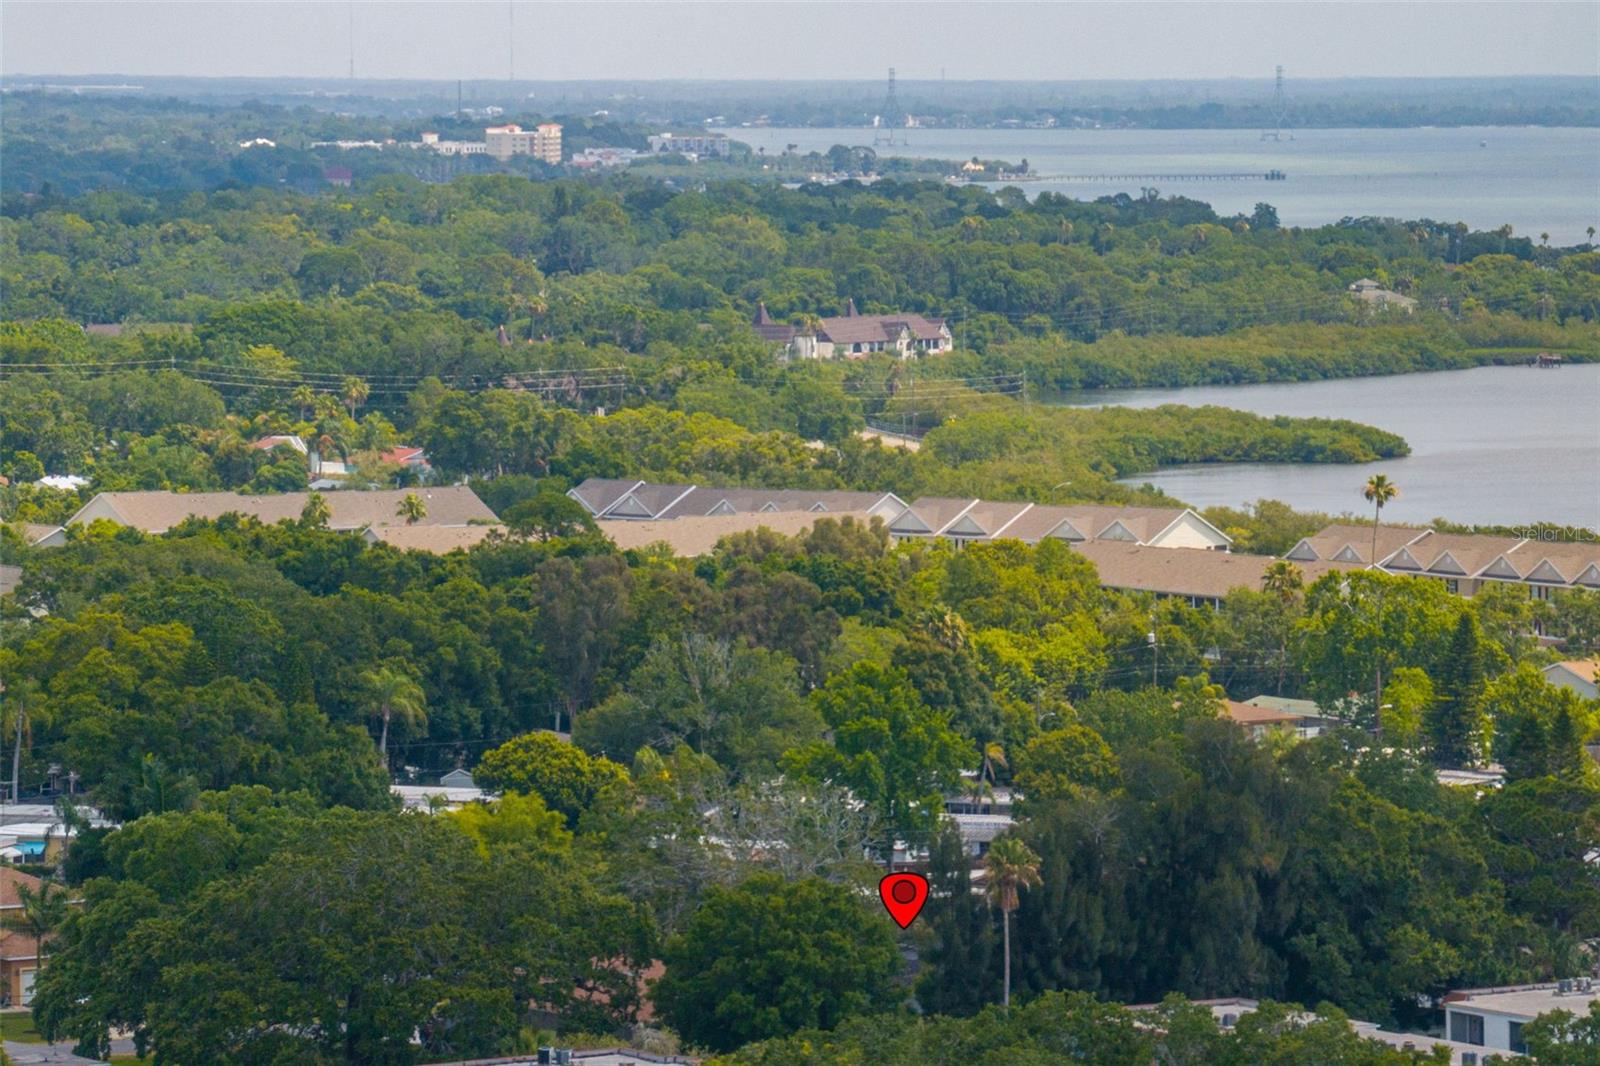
760,39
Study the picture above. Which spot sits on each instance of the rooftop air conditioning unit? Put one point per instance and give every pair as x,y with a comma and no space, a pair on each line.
1564,986
546,1056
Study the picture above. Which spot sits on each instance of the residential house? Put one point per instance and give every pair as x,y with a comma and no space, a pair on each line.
439,540
1575,674
157,512
409,457
1310,721
1375,295
39,535
457,778
437,797
1463,561
697,535
623,498
687,537
980,814
1204,578
19,953
1352,543
853,335
1493,1018
292,441
1259,722
961,521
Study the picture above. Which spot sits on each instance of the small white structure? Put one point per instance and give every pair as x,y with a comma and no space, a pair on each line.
436,797
64,482
1493,1018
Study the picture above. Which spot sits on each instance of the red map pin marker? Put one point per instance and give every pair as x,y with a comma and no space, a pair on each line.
903,896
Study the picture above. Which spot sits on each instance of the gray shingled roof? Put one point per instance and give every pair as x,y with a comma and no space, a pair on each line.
861,329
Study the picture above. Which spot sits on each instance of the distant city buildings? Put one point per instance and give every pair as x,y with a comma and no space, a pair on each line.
604,157
431,141
691,144
543,142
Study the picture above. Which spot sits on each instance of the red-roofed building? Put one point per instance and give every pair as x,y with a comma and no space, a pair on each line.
410,457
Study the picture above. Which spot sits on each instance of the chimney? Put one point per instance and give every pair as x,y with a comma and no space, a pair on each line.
850,308
762,318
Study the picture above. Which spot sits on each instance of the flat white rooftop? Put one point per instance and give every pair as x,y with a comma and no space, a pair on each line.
1523,1001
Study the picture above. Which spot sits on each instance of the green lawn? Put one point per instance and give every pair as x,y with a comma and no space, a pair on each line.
18,1025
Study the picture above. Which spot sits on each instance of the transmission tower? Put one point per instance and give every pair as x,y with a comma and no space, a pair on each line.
1280,111
890,117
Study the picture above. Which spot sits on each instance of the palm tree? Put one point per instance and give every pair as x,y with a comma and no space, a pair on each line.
391,692
41,912
355,393
1284,580
303,397
412,509
1011,866
1379,491
24,701
316,512
994,754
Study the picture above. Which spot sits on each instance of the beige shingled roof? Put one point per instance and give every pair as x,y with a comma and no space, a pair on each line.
1330,541
695,535
1449,554
1568,559
1247,714
1196,572
157,512
1584,668
440,540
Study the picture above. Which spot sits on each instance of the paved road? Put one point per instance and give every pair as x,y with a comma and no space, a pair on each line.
53,1054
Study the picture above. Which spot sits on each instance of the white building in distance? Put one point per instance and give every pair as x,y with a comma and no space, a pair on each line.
543,142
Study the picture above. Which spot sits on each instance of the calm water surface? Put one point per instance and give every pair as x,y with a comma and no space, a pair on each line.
1506,445
1536,179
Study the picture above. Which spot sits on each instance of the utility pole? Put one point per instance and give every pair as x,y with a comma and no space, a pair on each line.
1280,113
891,116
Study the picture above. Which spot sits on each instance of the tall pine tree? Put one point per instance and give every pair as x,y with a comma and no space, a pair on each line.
1452,722
962,965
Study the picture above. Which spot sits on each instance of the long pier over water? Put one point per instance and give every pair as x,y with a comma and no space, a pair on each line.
1270,175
